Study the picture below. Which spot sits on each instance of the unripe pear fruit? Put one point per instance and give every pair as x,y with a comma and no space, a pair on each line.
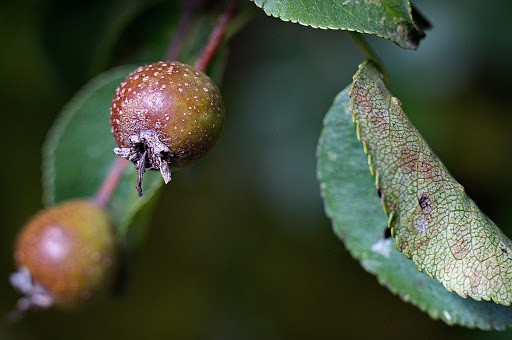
66,254
165,116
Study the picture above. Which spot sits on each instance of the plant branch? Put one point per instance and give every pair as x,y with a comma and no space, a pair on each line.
104,193
217,36
189,12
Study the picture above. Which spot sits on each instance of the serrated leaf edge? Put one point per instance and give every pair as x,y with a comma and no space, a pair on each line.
391,214
448,318
411,46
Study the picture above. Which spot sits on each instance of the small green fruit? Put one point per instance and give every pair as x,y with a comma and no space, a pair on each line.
65,255
165,116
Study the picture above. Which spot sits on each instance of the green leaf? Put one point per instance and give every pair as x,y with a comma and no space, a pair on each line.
434,221
391,19
78,153
351,201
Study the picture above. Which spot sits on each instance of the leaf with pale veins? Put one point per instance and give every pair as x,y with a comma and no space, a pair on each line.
434,221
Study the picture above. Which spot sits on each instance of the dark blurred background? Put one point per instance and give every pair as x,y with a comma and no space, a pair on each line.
239,246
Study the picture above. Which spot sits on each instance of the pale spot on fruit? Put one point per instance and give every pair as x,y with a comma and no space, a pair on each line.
55,243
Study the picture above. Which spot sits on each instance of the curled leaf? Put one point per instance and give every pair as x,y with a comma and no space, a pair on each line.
434,221
355,209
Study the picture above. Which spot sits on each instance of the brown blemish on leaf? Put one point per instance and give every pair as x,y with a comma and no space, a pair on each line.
408,157
424,202
379,119
435,223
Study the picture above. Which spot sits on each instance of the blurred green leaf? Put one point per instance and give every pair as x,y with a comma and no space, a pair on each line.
78,152
351,201
391,19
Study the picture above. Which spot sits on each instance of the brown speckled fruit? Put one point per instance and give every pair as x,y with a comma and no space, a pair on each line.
65,255
165,116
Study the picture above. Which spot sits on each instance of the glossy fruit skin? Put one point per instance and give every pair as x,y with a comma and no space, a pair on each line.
69,250
179,104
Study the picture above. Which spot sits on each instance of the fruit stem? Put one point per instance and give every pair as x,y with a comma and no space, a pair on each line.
216,36
188,14
110,182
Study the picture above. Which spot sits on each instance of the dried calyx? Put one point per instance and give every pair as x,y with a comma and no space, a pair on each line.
147,153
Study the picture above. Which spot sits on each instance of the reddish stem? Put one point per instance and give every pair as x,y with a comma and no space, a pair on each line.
110,182
217,36
186,19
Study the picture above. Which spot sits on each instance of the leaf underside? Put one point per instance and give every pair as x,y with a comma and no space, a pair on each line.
352,203
391,19
434,221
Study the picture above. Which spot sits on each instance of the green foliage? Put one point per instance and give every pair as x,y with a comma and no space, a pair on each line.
435,223
80,43
351,201
78,153
392,19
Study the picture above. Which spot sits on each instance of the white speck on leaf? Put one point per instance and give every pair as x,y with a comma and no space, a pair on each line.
422,225
447,315
382,247
332,156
